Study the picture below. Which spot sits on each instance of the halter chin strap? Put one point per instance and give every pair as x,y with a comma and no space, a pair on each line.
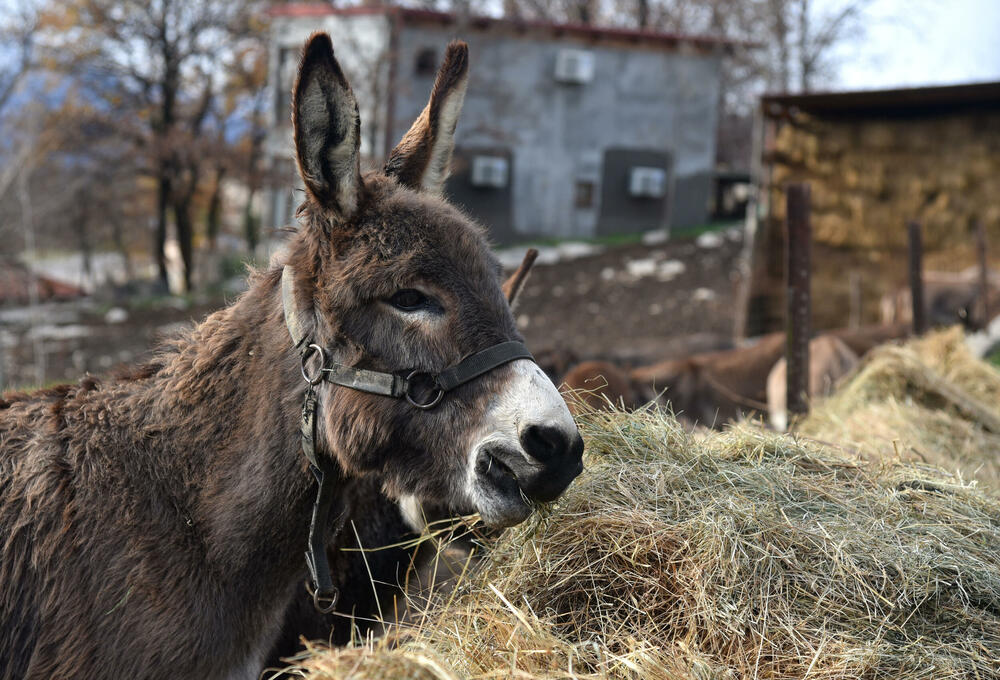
433,386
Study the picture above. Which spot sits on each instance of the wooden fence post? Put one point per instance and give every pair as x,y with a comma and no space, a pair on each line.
917,278
854,311
798,315
984,273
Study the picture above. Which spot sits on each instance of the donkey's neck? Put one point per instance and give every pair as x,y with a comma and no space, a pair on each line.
191,474
225,407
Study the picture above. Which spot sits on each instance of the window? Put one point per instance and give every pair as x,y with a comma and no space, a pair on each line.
584,194
283,80
489,171
426,62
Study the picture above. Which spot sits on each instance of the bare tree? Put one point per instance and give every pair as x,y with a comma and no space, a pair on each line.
154,63
18,25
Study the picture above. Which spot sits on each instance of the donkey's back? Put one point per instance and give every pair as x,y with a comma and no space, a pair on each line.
91,558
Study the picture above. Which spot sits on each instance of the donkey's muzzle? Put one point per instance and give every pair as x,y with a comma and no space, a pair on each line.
531,450
548,461
558,459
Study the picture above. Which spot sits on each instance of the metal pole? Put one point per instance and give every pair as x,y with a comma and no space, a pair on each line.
916,278
797,269
854,281
984,274
28,226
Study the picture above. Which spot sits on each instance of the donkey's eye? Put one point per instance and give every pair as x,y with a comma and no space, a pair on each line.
410,300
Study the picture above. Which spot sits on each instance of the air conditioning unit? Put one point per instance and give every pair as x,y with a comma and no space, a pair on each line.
489,171
574,66
647,182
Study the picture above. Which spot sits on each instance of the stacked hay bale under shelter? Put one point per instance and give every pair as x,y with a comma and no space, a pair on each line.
869,176
930,401
873,160
719,555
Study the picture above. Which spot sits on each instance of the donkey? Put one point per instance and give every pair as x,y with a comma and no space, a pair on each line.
373,583
830,359
598,386
152,526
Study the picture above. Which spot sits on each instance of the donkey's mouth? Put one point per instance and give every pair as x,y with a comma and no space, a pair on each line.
498,496
494,469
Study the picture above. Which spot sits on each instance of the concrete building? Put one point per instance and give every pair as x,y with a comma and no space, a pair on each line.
567,131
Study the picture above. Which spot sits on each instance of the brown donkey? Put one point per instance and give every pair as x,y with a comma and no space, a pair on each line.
153,526
373,584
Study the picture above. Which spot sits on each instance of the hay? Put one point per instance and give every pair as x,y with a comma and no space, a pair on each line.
723,555
928,401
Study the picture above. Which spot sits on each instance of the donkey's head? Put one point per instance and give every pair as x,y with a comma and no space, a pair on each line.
391,278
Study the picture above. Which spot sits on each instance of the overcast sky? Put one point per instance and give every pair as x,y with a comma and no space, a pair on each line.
922,42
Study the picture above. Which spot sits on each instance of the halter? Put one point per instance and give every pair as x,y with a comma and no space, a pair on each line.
433,386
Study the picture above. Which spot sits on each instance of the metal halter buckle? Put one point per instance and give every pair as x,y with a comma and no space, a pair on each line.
319,597
322,364
438,393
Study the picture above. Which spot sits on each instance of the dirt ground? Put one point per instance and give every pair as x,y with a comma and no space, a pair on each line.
633,303
637,302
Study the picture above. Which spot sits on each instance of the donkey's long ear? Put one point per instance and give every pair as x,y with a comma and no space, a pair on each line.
327,129
512,286
420,161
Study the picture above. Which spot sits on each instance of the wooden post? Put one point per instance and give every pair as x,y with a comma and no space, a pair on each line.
984,274
917,279
854,282
799,235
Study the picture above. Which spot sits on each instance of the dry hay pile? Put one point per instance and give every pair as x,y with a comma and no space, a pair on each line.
728,555
869,176
929,400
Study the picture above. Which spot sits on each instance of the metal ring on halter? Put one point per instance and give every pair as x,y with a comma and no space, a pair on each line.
438,396
322,364
331,596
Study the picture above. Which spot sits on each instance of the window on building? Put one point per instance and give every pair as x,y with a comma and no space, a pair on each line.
426,62
489,172
283,84
584,194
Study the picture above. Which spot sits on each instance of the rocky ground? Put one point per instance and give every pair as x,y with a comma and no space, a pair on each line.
635,301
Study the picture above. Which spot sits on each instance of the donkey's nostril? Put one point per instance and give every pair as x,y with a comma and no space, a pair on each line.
544,443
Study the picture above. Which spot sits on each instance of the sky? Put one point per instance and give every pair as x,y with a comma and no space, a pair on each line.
922,42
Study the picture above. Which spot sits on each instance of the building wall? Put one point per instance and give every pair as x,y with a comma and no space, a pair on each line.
556,135
640,98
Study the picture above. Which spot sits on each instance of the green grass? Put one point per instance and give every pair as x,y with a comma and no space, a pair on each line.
31,387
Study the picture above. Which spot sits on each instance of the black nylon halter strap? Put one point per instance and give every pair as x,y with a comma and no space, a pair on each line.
389,384
324,593
481,363
373,382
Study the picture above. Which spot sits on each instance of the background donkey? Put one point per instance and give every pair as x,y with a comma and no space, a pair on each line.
153,525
